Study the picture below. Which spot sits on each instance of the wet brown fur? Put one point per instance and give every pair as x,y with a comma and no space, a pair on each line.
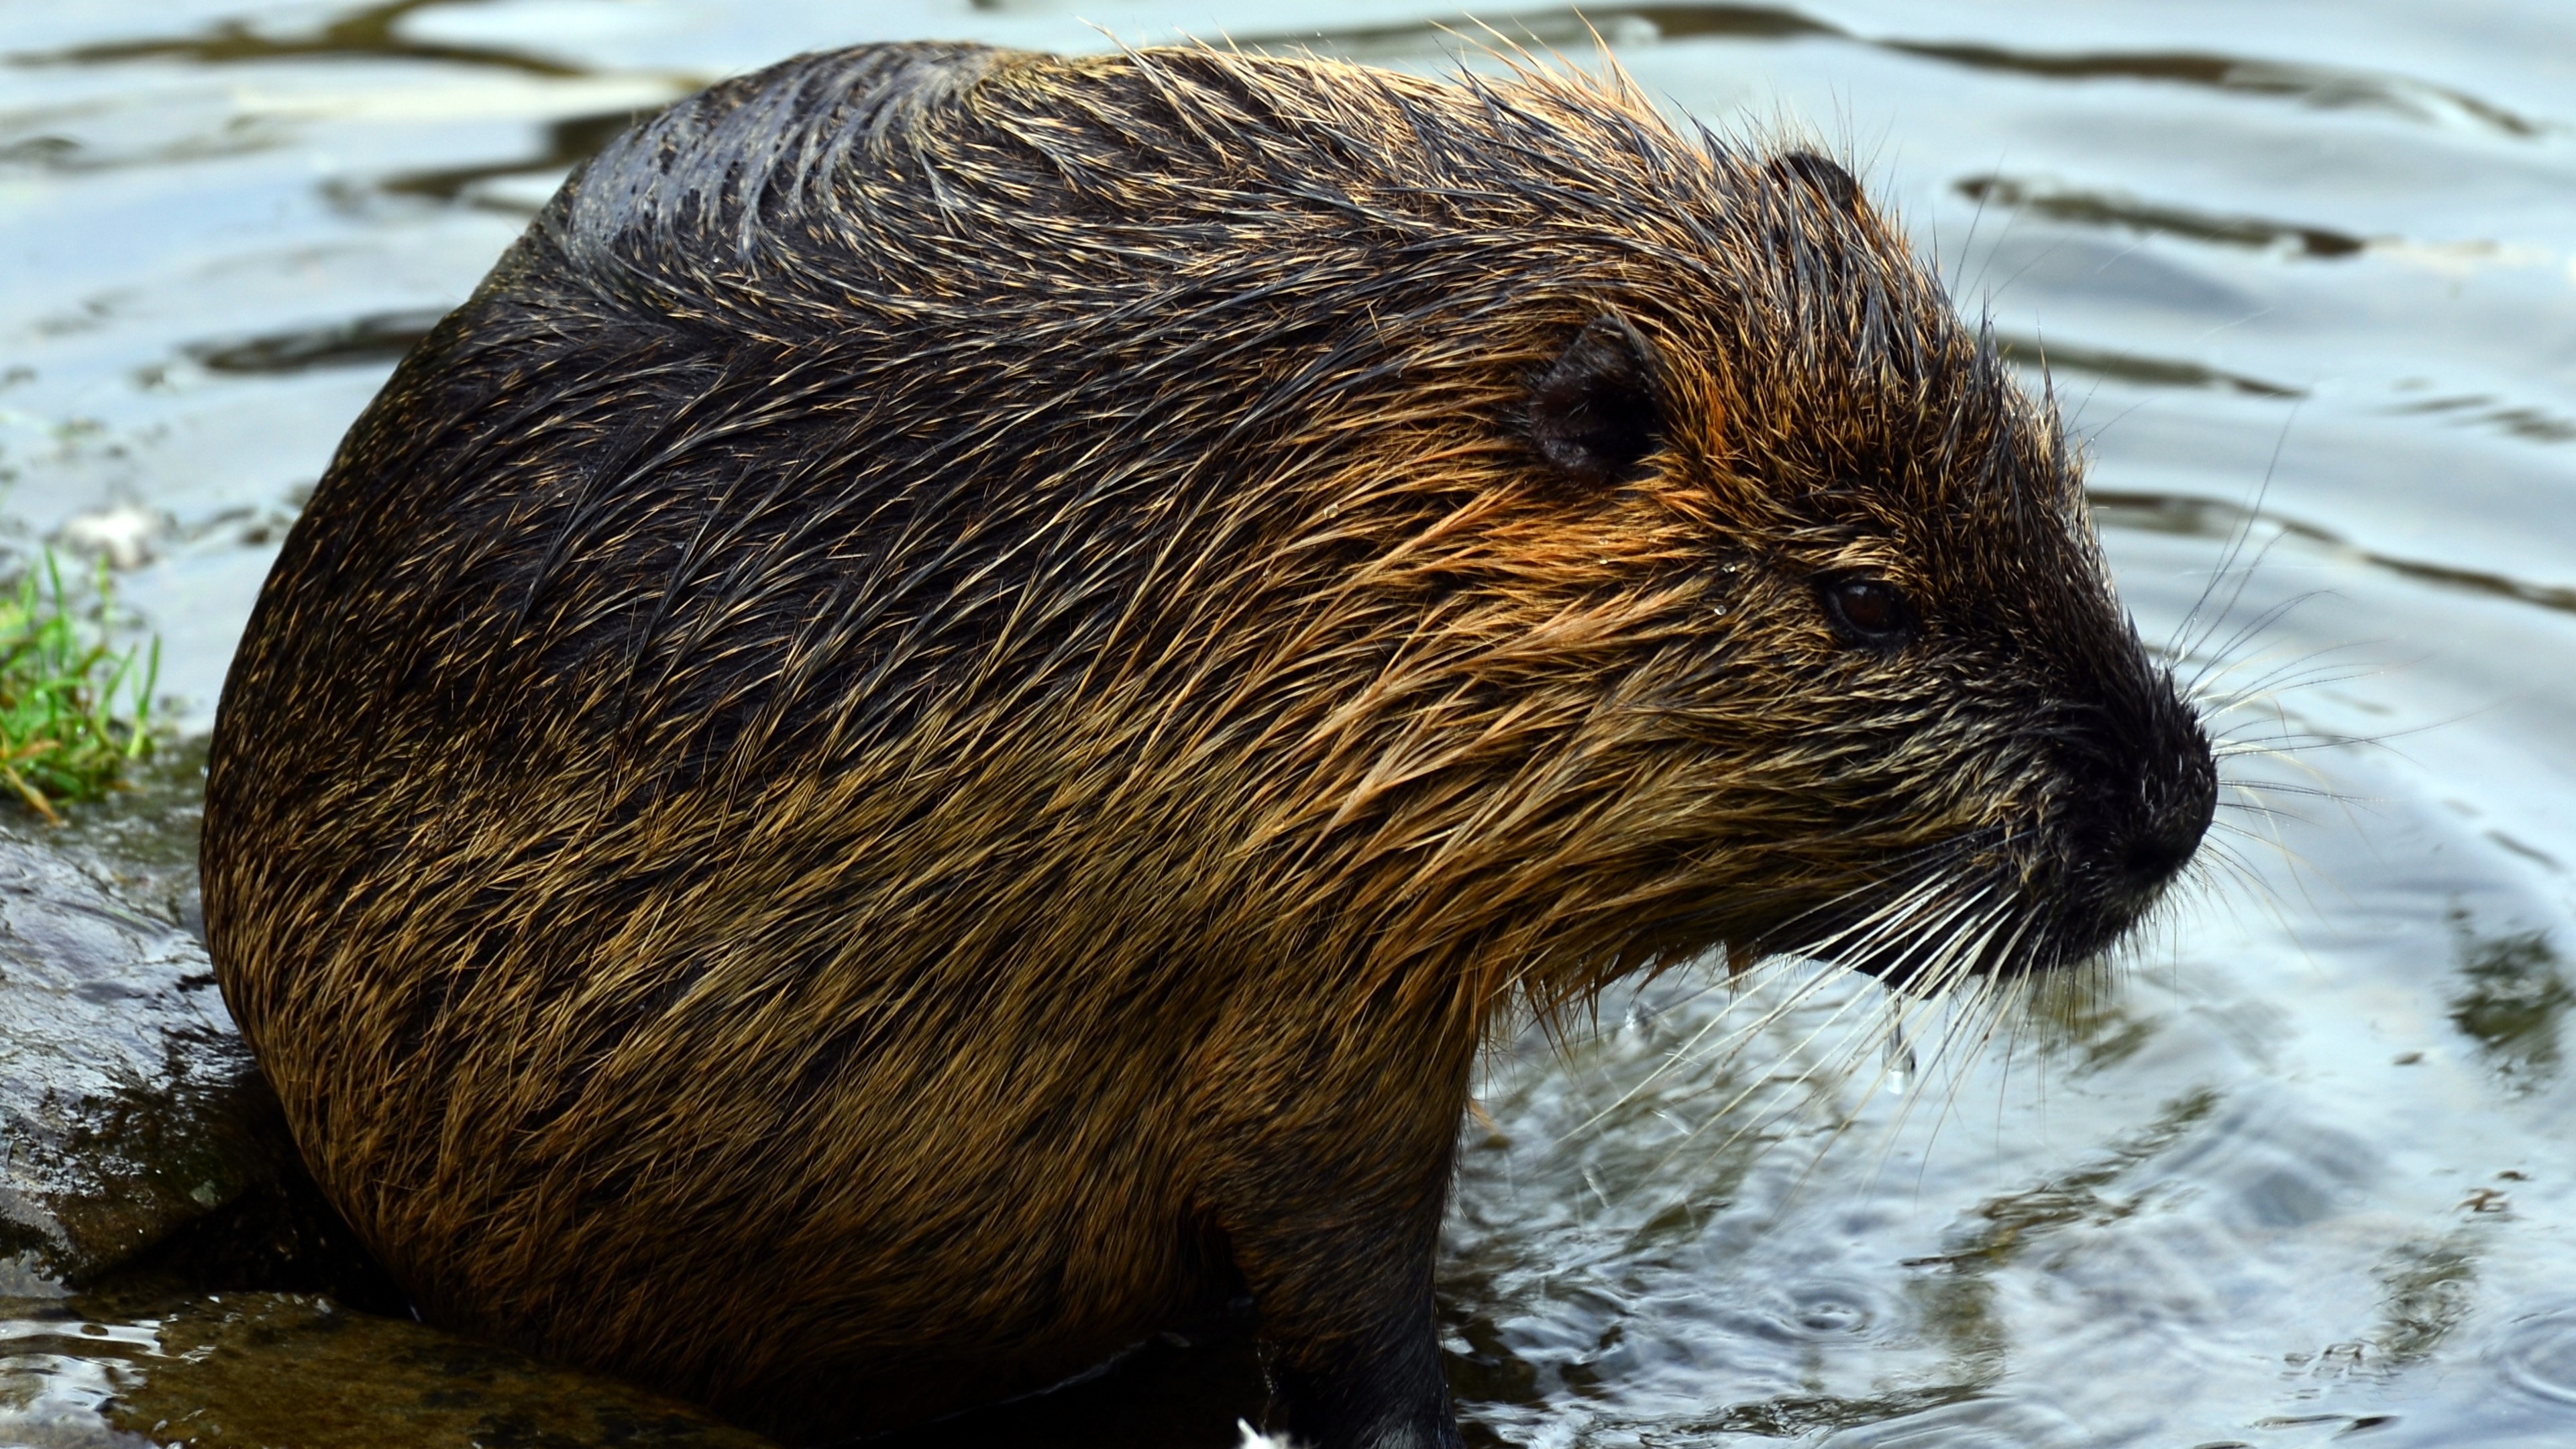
932,731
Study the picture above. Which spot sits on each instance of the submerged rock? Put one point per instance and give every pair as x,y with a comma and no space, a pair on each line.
128,1105
138,1368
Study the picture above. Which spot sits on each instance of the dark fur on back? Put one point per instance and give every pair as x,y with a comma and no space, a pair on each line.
931,731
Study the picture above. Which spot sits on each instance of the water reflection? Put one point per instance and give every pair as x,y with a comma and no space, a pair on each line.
380,337
2511,1000
2081,1020
2006,1226
373,31
2131,367
143,1368
2325,87
42,144
2095,208
2218,520
2431,1286
566,142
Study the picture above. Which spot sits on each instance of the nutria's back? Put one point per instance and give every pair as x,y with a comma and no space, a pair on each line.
929,732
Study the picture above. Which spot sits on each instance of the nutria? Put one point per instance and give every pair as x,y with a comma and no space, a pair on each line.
929,733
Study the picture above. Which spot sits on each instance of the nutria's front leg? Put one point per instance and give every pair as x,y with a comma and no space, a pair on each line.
1330,1201
1354,1351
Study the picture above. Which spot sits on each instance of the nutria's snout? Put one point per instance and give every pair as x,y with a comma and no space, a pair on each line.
2175,805
2057,778
2119,817
2152,793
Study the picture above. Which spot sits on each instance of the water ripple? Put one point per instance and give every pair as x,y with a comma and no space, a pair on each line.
372,32
2325,87
2538,1355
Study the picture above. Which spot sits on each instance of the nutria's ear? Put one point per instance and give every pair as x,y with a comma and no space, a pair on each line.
1593,412
1819,175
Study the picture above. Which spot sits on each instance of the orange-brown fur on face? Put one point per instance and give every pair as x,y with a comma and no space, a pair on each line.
933,729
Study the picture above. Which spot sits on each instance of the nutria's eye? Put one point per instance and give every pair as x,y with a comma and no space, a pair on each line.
1593,413
1870,612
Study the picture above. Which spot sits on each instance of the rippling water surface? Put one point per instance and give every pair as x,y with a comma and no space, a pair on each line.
2304,274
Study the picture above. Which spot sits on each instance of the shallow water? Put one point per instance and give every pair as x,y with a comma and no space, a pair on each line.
2306,277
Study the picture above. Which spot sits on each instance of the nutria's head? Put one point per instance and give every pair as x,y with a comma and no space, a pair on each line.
1929,740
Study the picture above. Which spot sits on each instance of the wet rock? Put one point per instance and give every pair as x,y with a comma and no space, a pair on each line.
141,1368
129,1107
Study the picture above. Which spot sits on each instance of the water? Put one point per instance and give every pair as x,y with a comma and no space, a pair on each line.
2305,275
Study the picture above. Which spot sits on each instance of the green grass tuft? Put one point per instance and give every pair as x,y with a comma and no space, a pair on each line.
63,736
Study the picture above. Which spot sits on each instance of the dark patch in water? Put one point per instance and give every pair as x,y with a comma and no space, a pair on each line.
2325,87
195,1369
1793,1416
2512,997
568,142
1548,29
2132,367
2534,425
52,152
376,337
2431,1288
368,33
1169,1390
1744,22
2090,208
2007,1225
1485,1370
2210,518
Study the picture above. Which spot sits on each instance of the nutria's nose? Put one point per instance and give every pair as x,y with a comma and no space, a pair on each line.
2177,814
